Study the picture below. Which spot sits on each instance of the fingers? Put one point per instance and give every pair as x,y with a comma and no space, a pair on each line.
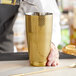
53,62
50,61
53,58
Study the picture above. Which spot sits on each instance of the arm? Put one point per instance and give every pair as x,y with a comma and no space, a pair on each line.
31,6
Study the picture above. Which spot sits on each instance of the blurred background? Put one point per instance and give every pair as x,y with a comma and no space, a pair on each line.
67,23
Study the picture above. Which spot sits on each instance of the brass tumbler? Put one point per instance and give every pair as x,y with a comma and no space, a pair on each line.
39,33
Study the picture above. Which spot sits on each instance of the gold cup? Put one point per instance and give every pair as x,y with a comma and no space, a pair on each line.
39,32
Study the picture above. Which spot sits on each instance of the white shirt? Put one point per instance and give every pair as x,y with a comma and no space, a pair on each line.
47,6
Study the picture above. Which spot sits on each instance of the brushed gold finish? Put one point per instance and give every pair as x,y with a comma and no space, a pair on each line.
39,32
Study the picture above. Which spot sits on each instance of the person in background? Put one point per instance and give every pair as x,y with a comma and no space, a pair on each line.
8,15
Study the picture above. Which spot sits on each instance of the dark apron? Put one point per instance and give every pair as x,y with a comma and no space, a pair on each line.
8,15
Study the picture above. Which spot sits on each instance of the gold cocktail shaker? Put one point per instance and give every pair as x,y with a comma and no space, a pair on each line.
39,32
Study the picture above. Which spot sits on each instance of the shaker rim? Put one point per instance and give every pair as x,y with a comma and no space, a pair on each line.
38,13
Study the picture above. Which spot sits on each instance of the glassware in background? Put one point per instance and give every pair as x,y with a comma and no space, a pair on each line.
72,23
65,36
19,33
65,5
66,20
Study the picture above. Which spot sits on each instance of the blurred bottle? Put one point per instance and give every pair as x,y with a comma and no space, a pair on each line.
19,33
65,39
65,5
72,22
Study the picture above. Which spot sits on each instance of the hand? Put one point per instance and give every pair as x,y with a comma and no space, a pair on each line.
53,58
